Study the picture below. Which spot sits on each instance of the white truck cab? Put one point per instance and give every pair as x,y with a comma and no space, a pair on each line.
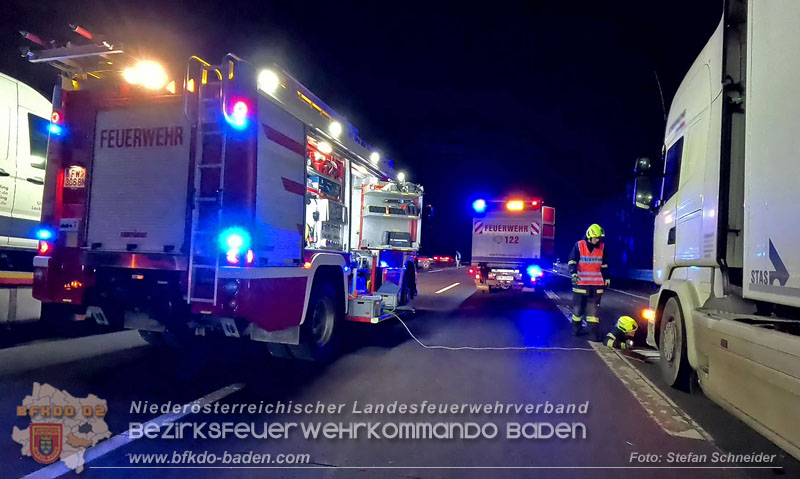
725,244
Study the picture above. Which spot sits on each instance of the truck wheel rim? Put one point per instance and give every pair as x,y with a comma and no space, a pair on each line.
322,323
669,341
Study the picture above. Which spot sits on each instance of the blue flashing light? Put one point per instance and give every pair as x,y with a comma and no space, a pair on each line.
234,238
44,234
479,205
384,264
55,129
534,271
238,117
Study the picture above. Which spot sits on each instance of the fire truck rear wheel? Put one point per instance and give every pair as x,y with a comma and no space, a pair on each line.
320,333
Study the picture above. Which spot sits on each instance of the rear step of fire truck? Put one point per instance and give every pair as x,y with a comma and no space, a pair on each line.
209,178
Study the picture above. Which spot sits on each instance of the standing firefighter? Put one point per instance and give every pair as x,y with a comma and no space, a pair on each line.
589,268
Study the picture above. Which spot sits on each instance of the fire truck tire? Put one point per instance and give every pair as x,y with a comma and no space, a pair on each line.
675,368
409,289
320,333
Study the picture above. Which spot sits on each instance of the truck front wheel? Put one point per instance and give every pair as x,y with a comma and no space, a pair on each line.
675,368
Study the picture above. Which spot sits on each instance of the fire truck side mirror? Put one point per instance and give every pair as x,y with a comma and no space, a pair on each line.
427,211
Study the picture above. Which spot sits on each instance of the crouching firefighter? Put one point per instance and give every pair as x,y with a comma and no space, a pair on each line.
621,337
589,268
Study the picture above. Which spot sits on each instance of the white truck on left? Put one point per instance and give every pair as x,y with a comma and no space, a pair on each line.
24,124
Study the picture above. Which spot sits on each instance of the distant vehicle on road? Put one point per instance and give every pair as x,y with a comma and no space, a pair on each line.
444,259
512,241
423,262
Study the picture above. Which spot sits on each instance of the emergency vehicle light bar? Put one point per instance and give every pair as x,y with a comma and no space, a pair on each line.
515,205
480,205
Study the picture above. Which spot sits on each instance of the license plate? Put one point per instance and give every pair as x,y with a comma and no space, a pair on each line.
505,278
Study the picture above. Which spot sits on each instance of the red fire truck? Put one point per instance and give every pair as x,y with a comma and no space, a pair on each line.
231,202
512,244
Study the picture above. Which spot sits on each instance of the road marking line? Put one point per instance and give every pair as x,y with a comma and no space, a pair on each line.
566,312
648,353
101,449
446,288
436,270
630,294
671,418
553,296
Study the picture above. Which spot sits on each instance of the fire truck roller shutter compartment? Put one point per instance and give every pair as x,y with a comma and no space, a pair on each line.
280,191
139,187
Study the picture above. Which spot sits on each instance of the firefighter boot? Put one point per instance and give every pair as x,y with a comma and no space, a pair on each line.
576,325
594,333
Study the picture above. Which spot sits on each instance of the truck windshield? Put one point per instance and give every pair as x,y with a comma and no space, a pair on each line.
37,131
672,170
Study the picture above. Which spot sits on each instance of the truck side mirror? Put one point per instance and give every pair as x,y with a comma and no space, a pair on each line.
643,166
427,211
643,193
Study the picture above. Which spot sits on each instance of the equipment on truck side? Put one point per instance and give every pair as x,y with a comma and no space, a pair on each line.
231,202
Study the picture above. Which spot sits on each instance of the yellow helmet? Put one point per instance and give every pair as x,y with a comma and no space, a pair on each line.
595,231
626,324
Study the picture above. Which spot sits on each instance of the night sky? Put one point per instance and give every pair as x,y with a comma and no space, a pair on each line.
549,99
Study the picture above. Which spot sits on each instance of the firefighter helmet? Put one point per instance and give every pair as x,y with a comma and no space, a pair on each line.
626,324
595,231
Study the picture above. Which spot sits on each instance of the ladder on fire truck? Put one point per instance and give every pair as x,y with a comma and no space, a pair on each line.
202,110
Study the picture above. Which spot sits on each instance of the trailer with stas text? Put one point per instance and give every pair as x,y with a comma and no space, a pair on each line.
237,204
512,244
725,245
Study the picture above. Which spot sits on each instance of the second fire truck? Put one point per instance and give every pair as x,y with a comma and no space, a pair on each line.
511,240
232,202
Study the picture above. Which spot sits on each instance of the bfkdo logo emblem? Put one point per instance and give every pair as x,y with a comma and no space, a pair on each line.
46,442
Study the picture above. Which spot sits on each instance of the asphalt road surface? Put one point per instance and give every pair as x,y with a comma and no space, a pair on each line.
495,350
